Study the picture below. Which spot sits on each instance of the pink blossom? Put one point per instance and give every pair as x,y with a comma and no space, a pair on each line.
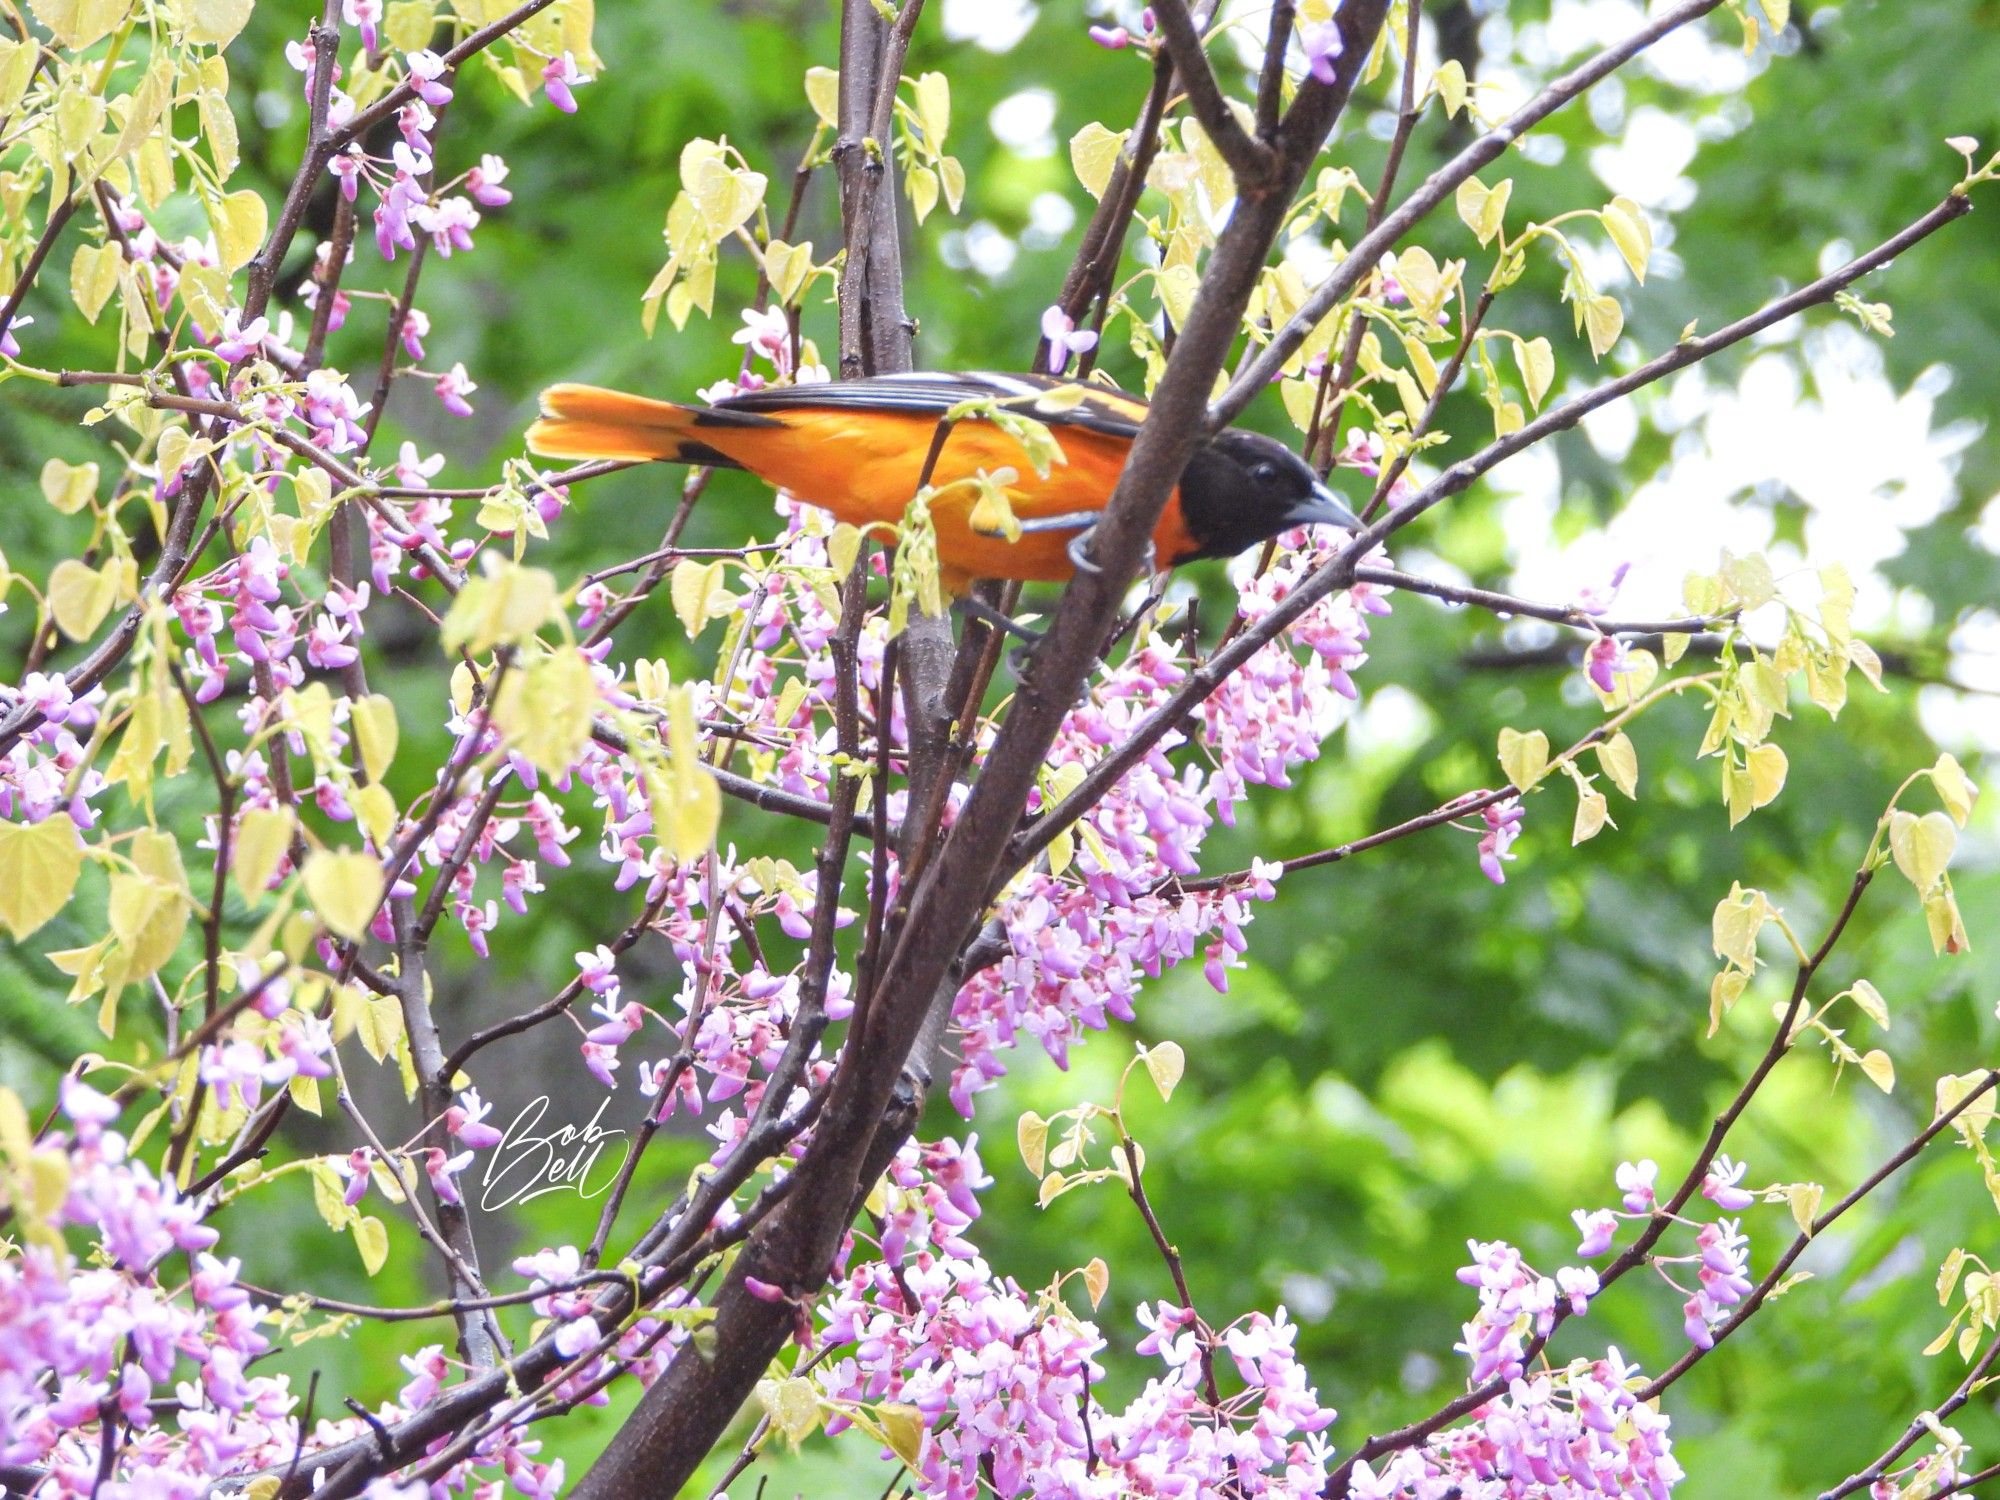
367,15
1323,46
1720,1185
1635,1180
484,180
559,76
467,1121
1059,332
427,72
453,387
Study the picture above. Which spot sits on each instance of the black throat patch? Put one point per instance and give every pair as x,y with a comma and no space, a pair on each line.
1224,511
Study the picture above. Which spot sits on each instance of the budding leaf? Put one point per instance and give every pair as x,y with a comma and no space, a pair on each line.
1767,767
1096,1281
1739,917
1031,1134
1880,1070
1536,359
1953,788
1922,846
823,94
1804,1198
1868,1000
1166,1063
1620,762
1524,757
1626,223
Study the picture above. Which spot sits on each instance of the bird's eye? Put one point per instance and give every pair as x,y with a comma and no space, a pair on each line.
1265,472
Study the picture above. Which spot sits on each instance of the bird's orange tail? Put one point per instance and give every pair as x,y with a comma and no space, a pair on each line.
586,421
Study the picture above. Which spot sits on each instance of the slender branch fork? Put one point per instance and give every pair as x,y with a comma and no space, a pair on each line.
919,951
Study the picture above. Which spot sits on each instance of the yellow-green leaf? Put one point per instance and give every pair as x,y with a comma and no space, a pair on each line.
1093,152
903,1425
823,94
1536,360
39,864
376,731
1922,846
507,605
1096,1281
239,221
1166,1063
1592,813
1620,762
923,188
217,23
1947,1276
1803,1198
792,1405
1626,223
1880,1070
147,916
69,487
934,108
80,597
1449,81
93,276
371,1238
1954,789
545,709
1869,1001
1603,320
1031,1134
262,836
1767,766
345,887
1739,917
1524,757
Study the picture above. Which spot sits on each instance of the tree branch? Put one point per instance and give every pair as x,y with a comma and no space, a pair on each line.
1259,372
1254,163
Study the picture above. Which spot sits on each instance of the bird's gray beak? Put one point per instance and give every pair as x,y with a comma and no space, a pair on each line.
1323,507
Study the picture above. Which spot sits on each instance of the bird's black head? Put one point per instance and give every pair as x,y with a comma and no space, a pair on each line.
1242,488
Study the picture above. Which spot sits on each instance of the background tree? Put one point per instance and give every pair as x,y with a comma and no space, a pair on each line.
1426,1036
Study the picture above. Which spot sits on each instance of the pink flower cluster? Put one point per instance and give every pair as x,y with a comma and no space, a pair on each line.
48,770
1080,942
120,1340
1004,1381
1576,1433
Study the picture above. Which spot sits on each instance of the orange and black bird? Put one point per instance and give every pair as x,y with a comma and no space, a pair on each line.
857,448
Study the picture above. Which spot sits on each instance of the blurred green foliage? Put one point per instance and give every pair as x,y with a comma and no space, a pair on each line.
1412,1057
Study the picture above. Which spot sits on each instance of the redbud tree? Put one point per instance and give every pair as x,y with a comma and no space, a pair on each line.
1010,844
